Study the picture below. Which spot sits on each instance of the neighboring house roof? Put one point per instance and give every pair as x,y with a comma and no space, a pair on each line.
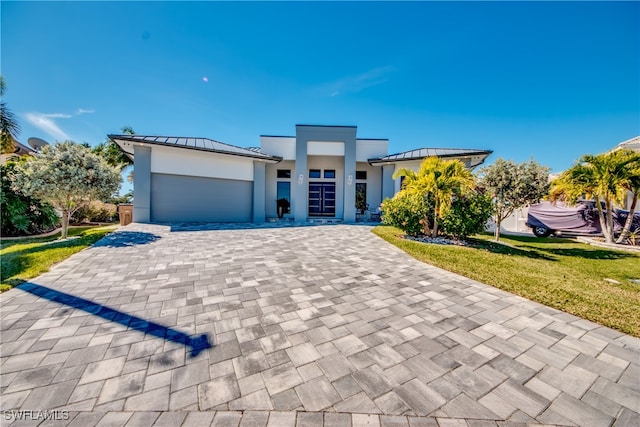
421,153
20,150
202,144
630,144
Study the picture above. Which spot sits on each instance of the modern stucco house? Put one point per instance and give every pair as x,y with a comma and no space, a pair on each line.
319,171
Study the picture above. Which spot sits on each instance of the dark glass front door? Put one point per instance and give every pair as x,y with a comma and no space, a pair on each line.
322,199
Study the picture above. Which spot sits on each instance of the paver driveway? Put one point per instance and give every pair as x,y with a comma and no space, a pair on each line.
297,324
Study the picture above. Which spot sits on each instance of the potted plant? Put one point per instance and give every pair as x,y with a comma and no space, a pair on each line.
283,206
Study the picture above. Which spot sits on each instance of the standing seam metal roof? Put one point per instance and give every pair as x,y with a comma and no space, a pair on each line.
204,144
421,153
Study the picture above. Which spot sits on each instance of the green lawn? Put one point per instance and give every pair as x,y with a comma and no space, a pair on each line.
24,259
559,273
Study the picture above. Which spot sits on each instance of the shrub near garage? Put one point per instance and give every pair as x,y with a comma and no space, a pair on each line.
96,211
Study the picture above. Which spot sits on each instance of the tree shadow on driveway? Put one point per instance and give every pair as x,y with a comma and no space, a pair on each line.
197,344
122,239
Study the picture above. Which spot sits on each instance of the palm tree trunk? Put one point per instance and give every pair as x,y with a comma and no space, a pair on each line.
626,231
610,222
603,221
436,210
434,233
425,227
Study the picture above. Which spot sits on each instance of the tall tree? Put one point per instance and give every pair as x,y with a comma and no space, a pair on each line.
513,186
437,181
605,178
110,151
68,176
9,127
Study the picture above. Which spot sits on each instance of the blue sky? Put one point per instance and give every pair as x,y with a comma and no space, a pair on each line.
546,80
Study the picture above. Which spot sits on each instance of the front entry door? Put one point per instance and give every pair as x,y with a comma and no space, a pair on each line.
322,199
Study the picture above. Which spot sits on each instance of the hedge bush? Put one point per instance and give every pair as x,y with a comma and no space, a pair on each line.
406,212
96,211
467,216
22,215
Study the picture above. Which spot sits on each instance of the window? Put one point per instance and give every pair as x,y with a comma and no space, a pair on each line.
314,173
402,182
284,173
361,174
361,196
284,192
329,173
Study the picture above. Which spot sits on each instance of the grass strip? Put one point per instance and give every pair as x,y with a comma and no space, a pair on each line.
24,259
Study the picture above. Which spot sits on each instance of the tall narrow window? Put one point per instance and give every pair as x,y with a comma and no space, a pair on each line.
284,192
361,196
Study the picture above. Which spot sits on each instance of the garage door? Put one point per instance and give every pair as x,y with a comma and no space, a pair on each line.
177,198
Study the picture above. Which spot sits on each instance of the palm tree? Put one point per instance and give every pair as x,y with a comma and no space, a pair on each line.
110,151
9,127
438,181
632,186
604,178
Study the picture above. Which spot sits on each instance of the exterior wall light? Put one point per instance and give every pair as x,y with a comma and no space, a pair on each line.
350,180
300,178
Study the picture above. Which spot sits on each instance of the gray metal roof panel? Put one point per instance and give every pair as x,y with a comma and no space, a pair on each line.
421,153
195,143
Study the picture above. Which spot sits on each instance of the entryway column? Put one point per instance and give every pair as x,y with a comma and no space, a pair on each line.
349,214
299,182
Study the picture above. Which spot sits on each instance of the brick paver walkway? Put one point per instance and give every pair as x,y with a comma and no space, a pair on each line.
283,326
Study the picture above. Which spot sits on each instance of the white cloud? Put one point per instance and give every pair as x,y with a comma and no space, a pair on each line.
81,111
359,82
46,123
57,116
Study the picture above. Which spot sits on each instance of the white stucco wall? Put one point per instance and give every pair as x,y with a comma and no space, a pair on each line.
514,223
281,146
325,148
371,148
413,165
178,161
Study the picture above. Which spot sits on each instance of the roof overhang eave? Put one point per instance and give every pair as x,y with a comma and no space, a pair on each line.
264,158
385,161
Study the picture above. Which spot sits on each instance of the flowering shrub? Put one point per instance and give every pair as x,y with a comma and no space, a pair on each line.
467,215
406,212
